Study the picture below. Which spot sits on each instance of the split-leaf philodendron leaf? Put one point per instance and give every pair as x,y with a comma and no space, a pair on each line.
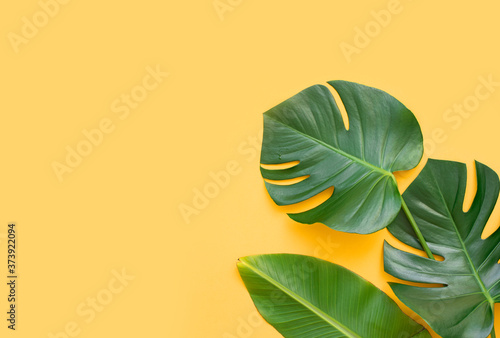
306,297
383,137
470,272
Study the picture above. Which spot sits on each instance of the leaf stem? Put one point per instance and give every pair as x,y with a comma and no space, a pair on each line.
421,238
493,335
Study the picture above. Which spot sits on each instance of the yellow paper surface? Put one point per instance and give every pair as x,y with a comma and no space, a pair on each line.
116,116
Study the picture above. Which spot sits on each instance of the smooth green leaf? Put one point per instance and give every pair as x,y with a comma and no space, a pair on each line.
304,297
470,272
383,137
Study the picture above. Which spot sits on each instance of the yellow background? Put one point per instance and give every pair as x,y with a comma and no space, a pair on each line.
119,209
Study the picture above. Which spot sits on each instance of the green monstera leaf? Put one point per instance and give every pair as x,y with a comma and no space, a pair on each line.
470,274
383,137
306,297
